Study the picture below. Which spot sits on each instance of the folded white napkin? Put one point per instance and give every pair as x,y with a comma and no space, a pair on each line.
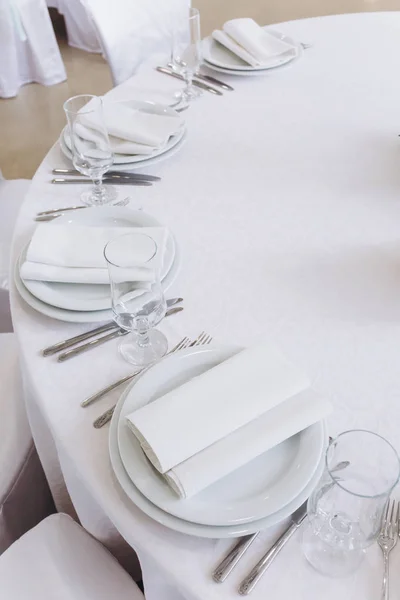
246,443
134,125
250,42
75,253
117,145
208,408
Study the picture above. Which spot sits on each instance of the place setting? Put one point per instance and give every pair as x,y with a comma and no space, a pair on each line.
123,135
71,283
244,48
240,474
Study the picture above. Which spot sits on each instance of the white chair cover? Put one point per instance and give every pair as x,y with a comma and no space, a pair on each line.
25,497
28,46
12,194
80,29
133,30
59,560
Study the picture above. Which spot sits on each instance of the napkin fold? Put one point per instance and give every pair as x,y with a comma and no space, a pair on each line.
117,145
75,253
250,42
212,406
246,443
133,125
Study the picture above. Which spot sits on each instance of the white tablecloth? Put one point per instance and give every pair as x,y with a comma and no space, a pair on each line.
285,200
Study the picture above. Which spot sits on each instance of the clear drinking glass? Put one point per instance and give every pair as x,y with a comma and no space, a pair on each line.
91,152
186,51
345,510
138,302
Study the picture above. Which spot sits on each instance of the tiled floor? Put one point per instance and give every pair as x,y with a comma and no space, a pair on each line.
31,123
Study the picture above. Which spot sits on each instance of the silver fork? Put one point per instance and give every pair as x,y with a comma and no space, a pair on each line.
201,340
387,540
50,215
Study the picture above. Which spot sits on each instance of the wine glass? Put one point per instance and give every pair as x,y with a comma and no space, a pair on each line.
91,152
345,510
186,52
138,302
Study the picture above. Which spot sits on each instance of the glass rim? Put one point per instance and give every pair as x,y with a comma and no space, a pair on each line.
193,13
335,480
125,235
81,110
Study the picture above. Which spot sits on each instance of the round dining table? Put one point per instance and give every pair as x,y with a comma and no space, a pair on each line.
285,202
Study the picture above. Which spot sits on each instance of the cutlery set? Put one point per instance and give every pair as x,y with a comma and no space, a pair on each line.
225,568
74,346
201,81
112,177
78,344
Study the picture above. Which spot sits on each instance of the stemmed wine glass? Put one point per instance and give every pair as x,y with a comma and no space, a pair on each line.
186,53
138,302
91,152
345,510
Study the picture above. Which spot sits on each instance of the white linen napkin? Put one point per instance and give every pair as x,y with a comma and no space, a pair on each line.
214,405
117,145
246,443
75,253
249,41
134,125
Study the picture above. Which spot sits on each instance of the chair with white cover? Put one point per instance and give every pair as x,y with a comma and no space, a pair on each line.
133,30
25,498
58,559
28,46
80,29
12,194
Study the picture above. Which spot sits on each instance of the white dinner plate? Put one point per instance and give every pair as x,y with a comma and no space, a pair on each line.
105,216
87,297
145,106
216,55
192,528
254,491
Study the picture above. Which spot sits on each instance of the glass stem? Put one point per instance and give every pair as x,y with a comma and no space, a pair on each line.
98,189
142,329
189,83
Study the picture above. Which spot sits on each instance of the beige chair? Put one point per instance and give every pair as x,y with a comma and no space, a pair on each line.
25,498
59,560
12,194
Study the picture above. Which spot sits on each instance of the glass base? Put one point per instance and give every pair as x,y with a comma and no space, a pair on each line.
144,355
183,98
330,560
109,196
191,93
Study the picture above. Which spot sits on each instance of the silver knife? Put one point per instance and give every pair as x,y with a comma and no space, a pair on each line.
198,84
78,338
209,79
233,557
249,583
113,174
50,350
113,180
105,338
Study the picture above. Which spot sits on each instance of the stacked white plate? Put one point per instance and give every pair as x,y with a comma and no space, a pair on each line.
85,303
255,496
124,162
219,58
